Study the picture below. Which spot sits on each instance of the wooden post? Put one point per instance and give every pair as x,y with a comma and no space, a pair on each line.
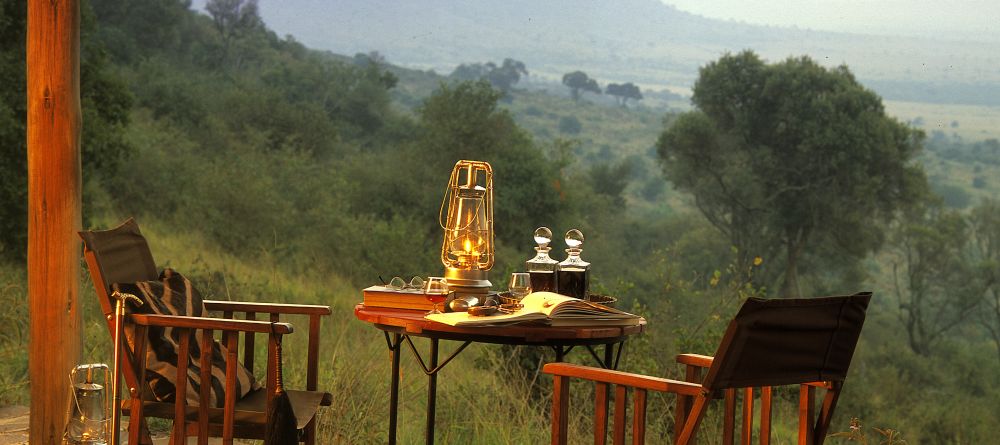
54,188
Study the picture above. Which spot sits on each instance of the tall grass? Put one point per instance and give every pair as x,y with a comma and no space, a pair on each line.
14,335
489,395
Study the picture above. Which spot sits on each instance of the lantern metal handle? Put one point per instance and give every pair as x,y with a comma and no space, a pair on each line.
472,167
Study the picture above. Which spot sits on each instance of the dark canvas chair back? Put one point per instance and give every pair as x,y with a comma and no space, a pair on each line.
789,341
121,255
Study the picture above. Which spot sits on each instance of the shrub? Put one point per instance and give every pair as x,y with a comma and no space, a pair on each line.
570,125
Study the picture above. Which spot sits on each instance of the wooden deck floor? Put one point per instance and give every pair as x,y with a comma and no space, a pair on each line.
14,428
13,425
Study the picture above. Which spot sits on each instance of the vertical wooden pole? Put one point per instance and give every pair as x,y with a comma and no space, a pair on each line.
54,188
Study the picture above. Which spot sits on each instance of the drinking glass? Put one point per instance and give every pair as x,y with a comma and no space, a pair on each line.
520,285
436,291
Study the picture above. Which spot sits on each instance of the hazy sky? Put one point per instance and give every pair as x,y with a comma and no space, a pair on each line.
957,18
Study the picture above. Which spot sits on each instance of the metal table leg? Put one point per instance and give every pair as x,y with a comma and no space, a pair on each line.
608,352
394,348
431,393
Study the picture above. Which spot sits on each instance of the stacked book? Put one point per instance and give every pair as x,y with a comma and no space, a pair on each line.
382,296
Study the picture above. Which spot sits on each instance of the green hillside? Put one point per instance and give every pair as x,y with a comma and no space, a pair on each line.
266,171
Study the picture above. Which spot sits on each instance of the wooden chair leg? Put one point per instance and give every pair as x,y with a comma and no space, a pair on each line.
136,421
560,410
698,409
765,415
729,418
621,400
639,417
600,413
230,400
807,412
692,374
180,394
312,373
746,432
205,363
826,412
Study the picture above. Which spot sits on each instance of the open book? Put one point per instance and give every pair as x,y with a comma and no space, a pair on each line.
548,308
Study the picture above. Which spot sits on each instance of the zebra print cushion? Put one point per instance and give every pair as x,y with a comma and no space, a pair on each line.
173,294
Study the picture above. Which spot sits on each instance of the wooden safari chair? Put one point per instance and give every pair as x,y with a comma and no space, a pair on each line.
807,342
121,255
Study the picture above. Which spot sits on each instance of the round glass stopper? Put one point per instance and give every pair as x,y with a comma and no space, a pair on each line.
574,239
543,236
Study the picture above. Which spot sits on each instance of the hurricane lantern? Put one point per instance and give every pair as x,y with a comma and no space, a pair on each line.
467,249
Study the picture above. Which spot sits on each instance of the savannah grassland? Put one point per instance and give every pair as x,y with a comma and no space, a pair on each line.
269,172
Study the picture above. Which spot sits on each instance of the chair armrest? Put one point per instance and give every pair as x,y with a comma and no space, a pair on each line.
268,308
701,361
222,324
622,378
314,312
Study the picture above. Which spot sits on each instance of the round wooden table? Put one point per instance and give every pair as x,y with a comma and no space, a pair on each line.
403,324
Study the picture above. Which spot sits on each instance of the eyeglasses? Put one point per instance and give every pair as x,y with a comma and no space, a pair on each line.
398,283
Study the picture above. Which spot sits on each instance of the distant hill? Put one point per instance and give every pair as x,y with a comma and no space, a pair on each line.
641,41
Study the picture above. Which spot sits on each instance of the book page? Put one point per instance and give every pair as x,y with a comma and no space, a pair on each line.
464,319
558,310
557,306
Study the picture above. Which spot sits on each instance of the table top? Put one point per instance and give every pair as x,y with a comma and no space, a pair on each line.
412,322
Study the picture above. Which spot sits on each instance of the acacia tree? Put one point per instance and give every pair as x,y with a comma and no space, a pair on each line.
623,92
502,77
935,281
789,158
579,82
985,221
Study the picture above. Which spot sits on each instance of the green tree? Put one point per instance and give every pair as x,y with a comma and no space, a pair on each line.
623,92
235,20
985,220
610,180
131,30
789,157
579,82
13,110
464,121
502,77
470,72
934,280
105,104
234,17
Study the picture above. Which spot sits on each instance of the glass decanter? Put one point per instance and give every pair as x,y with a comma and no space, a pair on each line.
542,268
573,275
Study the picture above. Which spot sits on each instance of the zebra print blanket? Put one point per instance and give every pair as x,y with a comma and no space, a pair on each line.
173,294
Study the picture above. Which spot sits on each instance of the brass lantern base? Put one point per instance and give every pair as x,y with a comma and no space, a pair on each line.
468,283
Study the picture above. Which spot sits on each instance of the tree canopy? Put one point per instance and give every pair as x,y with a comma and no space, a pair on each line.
791,158
105,106
623,92
502,77
579,82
